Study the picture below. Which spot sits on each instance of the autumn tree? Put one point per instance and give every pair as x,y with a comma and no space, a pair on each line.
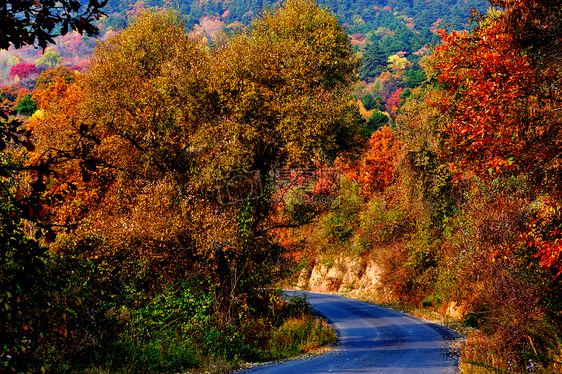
423,168
501,137
398,64
286,89
524,112
50,58
23,70
496,103
189,135
114,156
374,171
29,311
38,22
51,75
8,97
394,101
534,24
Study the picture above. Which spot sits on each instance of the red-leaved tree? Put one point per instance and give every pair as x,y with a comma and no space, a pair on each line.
23,70
496,102
501,108
393,102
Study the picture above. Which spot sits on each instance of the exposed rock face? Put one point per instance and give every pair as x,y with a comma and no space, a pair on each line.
455,311
344,275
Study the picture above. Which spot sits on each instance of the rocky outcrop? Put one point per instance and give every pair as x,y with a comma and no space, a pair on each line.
359,278
346,275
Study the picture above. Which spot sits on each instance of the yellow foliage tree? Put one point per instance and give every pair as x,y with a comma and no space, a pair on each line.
192,132
398,64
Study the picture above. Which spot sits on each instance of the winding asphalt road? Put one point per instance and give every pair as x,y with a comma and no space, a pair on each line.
373,339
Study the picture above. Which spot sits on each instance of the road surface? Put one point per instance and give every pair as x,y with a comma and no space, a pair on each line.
373,339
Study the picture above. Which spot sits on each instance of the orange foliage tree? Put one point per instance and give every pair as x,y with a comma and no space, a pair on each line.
75,185
8,97
374,171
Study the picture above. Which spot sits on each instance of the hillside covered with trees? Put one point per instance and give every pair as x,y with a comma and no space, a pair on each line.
389,37
158,185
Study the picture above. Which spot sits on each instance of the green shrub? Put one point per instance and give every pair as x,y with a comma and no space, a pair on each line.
381,224
299,335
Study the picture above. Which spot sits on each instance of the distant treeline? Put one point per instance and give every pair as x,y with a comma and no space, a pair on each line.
396,25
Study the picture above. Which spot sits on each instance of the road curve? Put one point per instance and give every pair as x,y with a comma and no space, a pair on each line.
373,339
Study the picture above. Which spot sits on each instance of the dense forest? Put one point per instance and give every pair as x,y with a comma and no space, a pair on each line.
161,180
389,38
378,31
417,14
